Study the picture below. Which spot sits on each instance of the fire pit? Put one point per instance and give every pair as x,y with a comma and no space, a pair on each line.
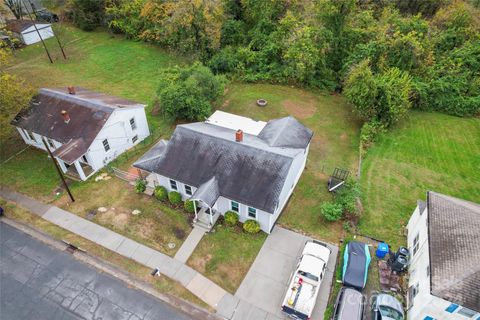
262,102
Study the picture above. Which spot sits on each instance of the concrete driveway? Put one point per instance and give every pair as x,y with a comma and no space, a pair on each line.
266,282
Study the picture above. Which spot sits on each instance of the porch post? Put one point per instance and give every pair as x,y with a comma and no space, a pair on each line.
80,170
211,214
195,208
62,165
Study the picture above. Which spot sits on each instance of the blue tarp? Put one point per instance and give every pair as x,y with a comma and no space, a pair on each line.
356,260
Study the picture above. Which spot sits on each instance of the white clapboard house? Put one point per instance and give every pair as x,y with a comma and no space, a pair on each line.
444,273
26,32
85,130
229,162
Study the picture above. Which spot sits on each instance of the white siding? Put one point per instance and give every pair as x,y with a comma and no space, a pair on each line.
424,304
30,36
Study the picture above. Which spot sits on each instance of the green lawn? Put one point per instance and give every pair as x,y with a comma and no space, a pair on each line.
428,151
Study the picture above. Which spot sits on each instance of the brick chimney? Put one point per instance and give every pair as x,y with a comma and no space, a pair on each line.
239,135
65,116
71,90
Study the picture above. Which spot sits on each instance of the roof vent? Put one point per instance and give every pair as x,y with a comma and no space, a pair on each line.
65,116
71,90
239,135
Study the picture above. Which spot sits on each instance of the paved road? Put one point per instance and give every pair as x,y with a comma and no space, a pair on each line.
38,282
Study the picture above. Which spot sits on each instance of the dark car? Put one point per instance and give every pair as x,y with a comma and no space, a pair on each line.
387,307
356,260
349,305
46,16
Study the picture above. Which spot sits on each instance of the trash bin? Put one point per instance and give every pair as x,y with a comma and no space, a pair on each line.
1,211
382,250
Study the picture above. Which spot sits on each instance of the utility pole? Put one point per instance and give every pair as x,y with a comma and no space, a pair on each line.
38,32
58,170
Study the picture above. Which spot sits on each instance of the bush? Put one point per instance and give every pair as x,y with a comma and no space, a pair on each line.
331,211
175,198
251,226
370,132
347,197
231,218
188,205
160,193
140,185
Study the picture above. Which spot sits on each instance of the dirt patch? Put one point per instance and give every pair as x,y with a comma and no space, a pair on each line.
146,228
301,110
225,103
343,136
200,264
116,218
179,233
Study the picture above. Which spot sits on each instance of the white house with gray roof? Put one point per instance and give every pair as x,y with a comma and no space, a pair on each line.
233,163
444,272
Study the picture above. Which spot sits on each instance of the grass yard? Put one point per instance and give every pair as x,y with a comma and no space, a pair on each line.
156,226
162,284
225,256
428,151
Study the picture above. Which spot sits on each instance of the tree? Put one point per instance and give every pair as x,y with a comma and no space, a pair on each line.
88,14
188,93
15,94
15,7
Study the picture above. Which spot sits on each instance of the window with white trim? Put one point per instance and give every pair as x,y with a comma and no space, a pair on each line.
50,143
252,213
173,184
188,190
415,244
106,145
466,312
234,206
29,136
135,138
133,124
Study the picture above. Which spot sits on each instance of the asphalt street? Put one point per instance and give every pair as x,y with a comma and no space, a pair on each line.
39,282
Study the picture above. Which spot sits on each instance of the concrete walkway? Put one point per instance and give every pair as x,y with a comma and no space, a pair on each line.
190,244
199,285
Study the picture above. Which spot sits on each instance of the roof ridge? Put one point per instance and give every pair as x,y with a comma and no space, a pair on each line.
185,126
76,99
457,201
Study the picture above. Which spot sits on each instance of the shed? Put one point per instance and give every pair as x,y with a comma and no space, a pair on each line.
26,32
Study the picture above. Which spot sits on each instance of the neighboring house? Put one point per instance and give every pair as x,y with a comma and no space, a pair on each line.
85,130
233,163
444,243
26,32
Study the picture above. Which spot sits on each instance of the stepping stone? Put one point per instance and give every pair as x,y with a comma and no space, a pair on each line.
136,212
102,209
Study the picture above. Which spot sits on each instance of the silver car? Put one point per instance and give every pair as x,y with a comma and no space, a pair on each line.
386,307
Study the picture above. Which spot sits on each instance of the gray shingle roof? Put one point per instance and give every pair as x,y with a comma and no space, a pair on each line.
454,239
286,133
250,172
208,192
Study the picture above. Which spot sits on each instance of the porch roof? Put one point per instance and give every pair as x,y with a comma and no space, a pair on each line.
71,151
208,192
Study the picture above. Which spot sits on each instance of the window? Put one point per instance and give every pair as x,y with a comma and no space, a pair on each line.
29,136
106,146
135,138
415,244
252,213
133,125
467,312
412,292
234,206
50,143
173,185
188,190
451,308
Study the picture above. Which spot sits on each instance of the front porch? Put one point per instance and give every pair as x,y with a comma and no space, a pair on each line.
78,171
205,218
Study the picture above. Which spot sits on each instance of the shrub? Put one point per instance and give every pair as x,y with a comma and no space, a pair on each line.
175,198
160,193
140,185
370,132
251,226
188,206
88,14
231,218
347,197
331,211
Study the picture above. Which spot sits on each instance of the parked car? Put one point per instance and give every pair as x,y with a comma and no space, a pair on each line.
356,260
46,16
387,307
349,305
305,281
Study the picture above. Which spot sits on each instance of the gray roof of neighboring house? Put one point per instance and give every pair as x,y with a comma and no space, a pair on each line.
250,172
88,111
287,133
454,239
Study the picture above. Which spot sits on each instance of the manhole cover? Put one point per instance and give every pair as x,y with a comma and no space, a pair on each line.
171,245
